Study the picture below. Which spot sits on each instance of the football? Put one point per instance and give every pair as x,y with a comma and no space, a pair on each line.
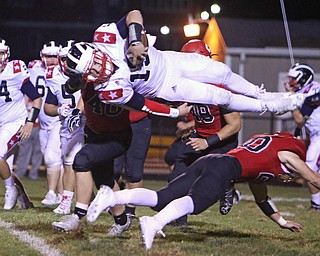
137,49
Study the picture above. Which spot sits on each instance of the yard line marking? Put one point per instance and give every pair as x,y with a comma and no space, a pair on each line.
35,243
276,199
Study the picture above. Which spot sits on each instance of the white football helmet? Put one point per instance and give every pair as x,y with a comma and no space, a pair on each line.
4,53
62,55
94,65
49,53
299,75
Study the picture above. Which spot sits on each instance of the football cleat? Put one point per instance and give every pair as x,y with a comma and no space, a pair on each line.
65,206
149,228
315,206
105,198
50,199
67,223
10,197
117,229
182,221
285,104
231,196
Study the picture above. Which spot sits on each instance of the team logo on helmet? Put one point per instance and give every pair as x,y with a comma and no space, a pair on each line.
300,75
82,59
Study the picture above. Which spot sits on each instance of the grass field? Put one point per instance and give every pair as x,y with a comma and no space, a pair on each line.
244,231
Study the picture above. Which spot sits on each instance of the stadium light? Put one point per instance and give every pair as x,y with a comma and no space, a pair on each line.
165,30
192,29
215,8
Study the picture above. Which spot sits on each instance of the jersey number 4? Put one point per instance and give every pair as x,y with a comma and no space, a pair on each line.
4,91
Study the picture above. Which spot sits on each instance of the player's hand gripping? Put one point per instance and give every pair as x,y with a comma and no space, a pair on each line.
74,120
64,110
137,53
184,109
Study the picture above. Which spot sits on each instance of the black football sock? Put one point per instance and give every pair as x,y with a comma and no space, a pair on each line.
120,219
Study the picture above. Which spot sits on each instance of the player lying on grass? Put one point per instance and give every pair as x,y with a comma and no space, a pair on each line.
262,157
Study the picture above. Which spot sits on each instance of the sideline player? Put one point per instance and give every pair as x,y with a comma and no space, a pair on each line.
301,81
125,76
59,103
261,158
215,131
15,123
49,126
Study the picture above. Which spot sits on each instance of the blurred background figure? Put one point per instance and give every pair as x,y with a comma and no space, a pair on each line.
15,123
308,115
29,152
49,126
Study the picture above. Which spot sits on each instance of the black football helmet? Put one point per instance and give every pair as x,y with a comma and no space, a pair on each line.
300,75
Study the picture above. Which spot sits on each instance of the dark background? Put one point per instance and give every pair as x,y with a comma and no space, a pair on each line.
28,24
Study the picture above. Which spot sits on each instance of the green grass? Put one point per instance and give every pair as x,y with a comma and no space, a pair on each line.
244,231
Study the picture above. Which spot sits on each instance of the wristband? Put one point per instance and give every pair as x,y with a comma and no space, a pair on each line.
267,206
76,112
135,30
33,114
174,112
213,139
281,221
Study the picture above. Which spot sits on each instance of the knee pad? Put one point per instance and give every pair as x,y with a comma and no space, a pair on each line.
52,157
134,177
82,162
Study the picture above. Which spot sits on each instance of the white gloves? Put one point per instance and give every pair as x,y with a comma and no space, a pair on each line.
64,110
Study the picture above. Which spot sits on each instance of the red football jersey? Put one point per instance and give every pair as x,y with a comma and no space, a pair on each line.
259,155
208,119
102,118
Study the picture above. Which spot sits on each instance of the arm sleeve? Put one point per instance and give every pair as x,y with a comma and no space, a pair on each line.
51,98
28,89
306,109
122,27
138,102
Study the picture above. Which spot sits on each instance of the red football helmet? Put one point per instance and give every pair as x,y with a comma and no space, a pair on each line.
4,53
197,46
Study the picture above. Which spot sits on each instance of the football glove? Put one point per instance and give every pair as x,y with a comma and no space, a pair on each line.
74,120
64,110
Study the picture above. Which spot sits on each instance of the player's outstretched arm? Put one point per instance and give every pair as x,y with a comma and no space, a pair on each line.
295,164
267,206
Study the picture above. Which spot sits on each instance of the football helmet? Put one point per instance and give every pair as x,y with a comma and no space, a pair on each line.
5,53
94,65
49,53
197,46
62,55
299,75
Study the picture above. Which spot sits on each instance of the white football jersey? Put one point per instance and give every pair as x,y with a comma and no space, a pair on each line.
144,81
12,102
313,122
37,77
56,83
172,76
